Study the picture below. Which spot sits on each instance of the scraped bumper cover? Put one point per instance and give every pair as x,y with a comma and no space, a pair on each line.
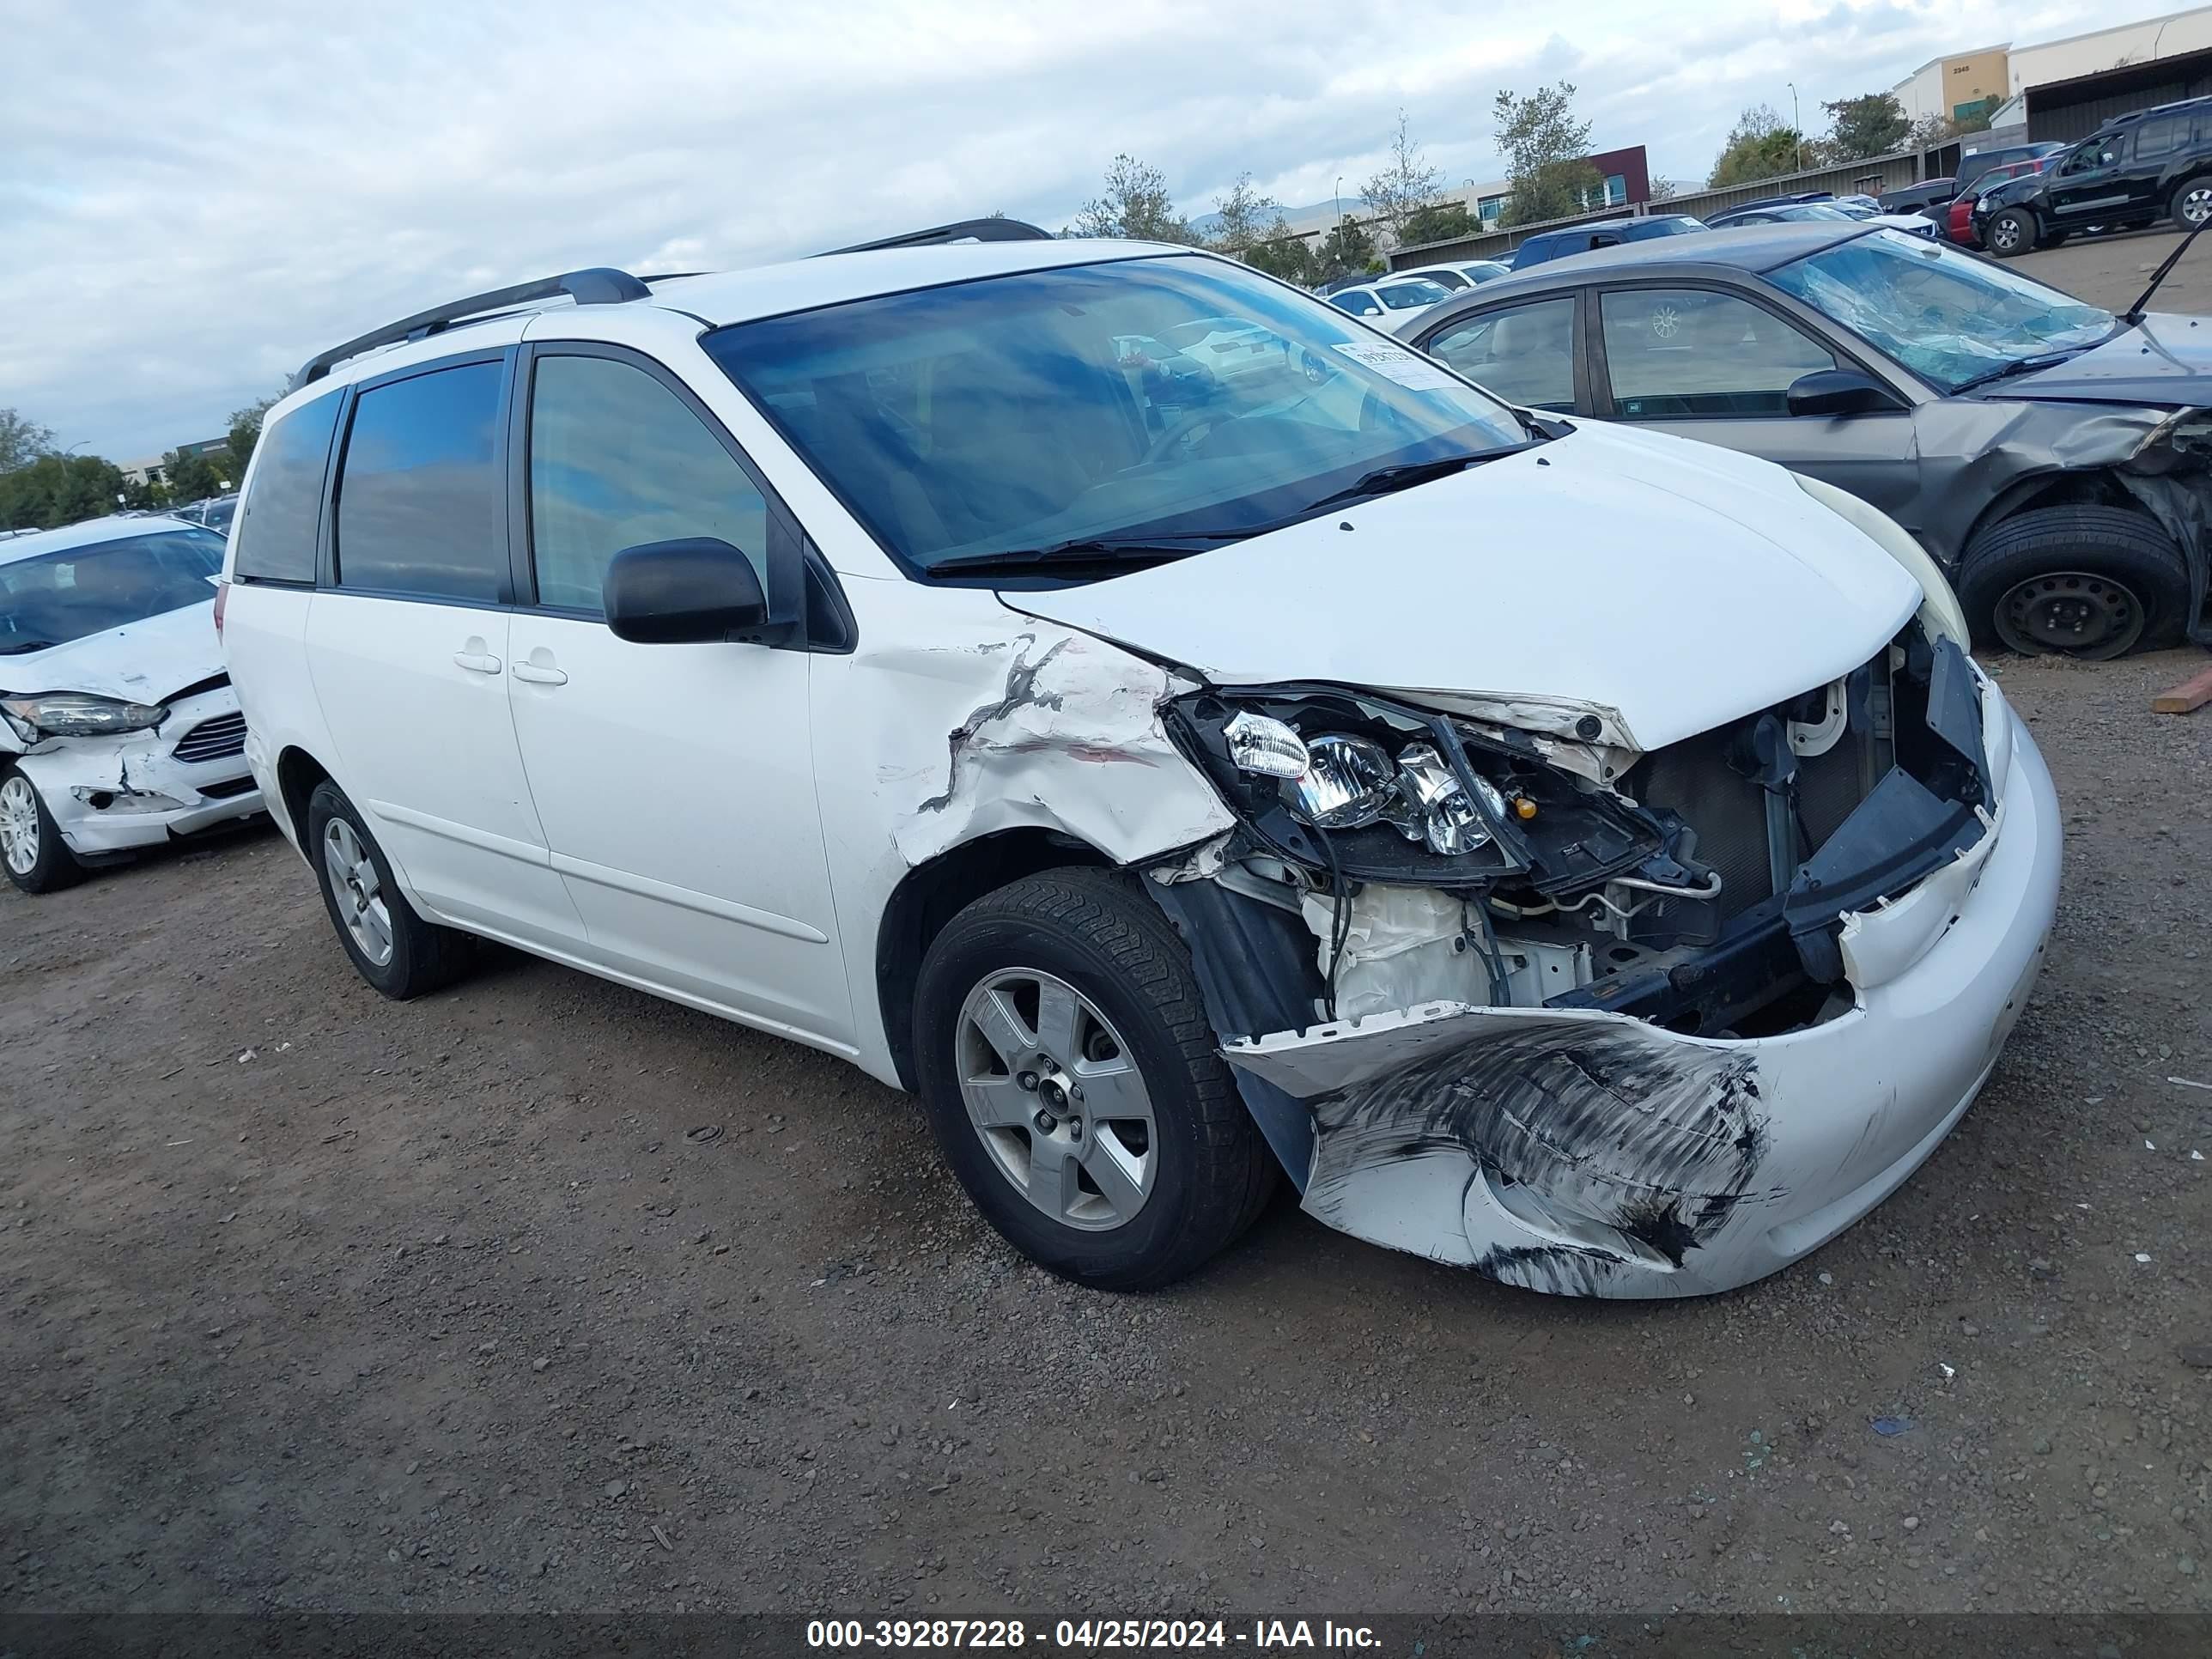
1588,1153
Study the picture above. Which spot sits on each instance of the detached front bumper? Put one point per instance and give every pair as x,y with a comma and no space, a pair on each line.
113,794
1589,1153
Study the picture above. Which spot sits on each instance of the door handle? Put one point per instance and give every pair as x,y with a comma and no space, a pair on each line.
539,670
477,661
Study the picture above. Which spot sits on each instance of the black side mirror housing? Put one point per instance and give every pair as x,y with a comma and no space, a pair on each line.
695,590
1839,392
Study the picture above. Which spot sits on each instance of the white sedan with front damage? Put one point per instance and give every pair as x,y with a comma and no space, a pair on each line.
118,729
1582,855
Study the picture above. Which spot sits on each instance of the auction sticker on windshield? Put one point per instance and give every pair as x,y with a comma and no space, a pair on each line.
1407,367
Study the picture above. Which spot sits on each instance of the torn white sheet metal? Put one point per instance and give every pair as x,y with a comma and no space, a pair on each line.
1587,1153
1063,731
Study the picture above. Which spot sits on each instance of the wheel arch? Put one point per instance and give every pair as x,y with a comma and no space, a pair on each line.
2054,487
935,891
298,772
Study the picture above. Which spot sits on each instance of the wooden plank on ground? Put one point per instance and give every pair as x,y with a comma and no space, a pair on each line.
2181,699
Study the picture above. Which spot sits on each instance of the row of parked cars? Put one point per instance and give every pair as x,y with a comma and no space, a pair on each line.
1193,739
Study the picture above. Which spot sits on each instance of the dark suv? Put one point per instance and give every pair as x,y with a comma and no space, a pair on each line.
2151,165
1606,233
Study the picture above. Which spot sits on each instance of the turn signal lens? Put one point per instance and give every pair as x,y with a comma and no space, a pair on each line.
1260,743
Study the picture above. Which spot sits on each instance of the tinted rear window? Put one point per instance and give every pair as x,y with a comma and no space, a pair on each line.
276,531
421,506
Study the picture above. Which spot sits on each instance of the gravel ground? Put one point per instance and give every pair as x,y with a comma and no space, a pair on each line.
543,1294
2110,271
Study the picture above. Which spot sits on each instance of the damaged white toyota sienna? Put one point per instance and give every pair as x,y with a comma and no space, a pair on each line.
1584,856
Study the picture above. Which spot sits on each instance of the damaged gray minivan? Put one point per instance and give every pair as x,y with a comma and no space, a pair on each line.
1177,771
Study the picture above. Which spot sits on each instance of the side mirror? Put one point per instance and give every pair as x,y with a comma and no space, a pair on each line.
696,591
1839,392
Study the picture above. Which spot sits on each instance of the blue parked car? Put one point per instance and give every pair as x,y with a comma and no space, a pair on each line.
1606,233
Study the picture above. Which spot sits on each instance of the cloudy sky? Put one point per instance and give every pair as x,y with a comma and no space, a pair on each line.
194,197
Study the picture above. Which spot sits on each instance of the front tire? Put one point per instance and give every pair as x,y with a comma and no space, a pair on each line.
2011,233
390,946
2094,582
31,847
2191,204
1075,1085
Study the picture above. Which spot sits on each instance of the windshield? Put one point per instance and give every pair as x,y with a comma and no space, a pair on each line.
54,598
1001,415
1804,210
1679,226
1407,296
1945,315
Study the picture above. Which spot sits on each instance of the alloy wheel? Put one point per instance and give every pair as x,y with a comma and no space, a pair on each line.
359,892
2005,235
2073,613
1055,1096
19,824
2197,203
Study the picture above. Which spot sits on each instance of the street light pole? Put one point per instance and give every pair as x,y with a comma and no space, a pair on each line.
1797,126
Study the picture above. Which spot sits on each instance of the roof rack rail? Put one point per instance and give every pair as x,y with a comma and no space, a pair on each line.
964,230
600,285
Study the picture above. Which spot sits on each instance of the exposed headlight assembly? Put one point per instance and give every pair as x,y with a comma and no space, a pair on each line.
77,714
1338,781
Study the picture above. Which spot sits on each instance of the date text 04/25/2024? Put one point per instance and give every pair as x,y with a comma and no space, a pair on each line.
1086,1635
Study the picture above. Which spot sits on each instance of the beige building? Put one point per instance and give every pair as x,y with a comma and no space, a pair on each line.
1964,83
1957,87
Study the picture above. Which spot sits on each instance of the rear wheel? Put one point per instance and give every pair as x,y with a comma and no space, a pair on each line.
30,846
2191,205
2094,582
2011,233
390,946
1075,1085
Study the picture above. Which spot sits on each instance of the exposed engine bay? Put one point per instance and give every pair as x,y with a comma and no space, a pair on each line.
1420,857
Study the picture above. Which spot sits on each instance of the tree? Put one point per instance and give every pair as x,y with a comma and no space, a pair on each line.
1439,222
1288,257
1136,205
1663,190
191,477
1758,147
1872,124
1247,216
1406,185
246,432
1547,152
1347,250
58,489
22,440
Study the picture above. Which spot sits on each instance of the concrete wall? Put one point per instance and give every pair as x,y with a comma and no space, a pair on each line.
1944,87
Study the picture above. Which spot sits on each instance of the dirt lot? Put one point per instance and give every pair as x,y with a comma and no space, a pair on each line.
544,1294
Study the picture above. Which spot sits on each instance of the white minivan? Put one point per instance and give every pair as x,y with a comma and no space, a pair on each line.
1585,856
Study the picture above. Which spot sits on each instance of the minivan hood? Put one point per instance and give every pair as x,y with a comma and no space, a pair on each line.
2165,359
146,661
1672,585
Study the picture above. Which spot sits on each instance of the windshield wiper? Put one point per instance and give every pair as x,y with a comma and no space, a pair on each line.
2134,312
17,648
1106,550
2017,366
1386,480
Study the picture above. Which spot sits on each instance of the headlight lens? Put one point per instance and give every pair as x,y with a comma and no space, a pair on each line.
1349,783
1448,821
78,714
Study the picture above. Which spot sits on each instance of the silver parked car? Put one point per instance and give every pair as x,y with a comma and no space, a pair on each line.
2055,458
